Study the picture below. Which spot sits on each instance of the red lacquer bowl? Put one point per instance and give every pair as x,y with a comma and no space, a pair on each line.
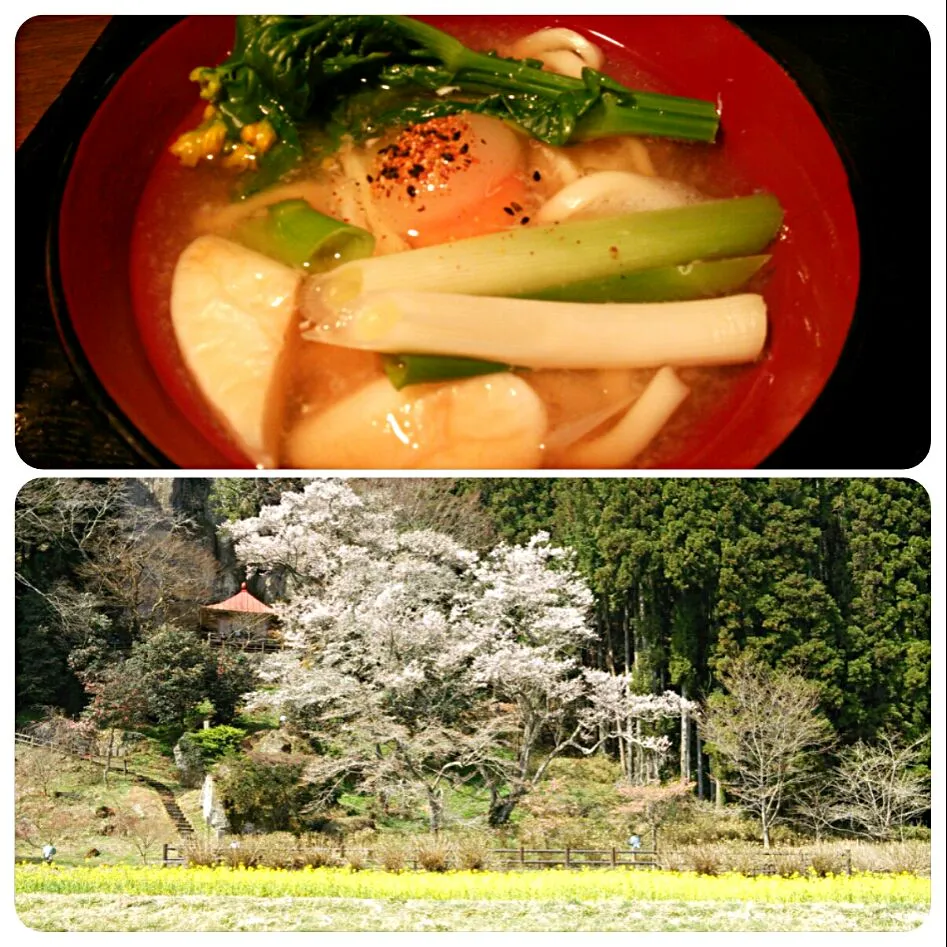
772,137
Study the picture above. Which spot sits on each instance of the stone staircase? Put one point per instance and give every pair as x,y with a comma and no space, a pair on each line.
181,824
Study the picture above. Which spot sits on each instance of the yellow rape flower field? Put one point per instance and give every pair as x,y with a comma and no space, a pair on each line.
128,898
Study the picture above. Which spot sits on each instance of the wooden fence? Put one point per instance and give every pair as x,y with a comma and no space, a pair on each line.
500,859
524,859
507,858
29,739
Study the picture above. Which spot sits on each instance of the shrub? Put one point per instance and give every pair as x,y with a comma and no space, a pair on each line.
433,855
392,855
215,742
825,862
200,851
705,823
356,859
318,857
265,794
705,862
913,857
473,852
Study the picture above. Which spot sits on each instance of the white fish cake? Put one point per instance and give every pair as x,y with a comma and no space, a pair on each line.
232,310
493,422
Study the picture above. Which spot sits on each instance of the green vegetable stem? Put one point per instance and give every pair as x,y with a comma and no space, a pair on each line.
285,69
291,232
405,370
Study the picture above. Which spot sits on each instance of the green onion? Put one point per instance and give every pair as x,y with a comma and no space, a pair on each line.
405,370
661,284
531,259
291,232
730,330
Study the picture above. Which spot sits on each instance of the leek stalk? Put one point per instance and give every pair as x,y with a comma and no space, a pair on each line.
726,331
661,284
531,259
291,232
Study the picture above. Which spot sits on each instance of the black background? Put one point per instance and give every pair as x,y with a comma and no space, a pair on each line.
869,79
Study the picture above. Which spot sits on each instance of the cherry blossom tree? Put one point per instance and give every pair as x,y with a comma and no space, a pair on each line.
413,661
615,712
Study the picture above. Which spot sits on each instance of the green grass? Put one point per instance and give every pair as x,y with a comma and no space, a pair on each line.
96,912
83,792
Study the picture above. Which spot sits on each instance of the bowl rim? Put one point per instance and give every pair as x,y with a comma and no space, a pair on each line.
113,39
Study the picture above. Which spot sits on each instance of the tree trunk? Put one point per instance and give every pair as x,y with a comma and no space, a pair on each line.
502,808
699,760
435,804
685,741
720,798
108,755
639,754
765,826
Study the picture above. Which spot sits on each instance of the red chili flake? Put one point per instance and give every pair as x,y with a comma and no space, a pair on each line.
426,153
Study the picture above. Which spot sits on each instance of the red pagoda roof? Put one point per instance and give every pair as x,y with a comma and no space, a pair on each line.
243,601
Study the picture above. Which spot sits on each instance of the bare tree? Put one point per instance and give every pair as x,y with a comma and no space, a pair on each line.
817,806
39,768
150,566
882,787
765,730
432,504
143,827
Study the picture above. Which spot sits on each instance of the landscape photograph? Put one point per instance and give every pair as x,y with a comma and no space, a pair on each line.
472,704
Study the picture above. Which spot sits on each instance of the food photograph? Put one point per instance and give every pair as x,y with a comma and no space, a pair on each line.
457,242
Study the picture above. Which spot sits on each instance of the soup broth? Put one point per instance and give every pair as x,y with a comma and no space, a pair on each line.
181,204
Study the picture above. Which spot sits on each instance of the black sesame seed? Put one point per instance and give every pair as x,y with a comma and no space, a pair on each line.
537,176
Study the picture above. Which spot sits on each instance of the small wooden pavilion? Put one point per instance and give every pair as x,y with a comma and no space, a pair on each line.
242,621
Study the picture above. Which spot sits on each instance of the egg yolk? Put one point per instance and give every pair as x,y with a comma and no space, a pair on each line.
451,178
